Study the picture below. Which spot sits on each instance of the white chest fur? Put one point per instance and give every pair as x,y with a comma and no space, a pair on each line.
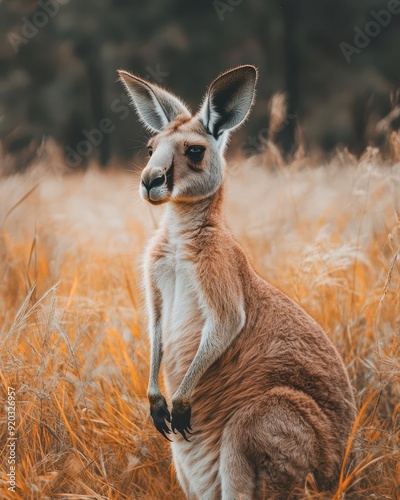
182,314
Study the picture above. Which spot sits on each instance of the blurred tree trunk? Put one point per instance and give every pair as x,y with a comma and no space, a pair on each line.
290,13
88,51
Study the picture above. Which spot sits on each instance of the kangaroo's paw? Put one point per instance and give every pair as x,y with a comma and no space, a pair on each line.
160,414
181,414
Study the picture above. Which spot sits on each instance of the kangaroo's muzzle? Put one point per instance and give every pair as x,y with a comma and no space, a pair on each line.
154,187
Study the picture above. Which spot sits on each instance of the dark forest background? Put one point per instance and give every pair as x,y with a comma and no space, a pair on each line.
58,62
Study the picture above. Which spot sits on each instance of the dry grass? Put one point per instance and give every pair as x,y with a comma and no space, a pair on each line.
72,331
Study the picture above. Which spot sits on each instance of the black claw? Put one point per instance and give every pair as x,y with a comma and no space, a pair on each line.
160,413
181,421
184,436
162,432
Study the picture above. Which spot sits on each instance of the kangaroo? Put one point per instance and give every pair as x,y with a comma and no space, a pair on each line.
260,398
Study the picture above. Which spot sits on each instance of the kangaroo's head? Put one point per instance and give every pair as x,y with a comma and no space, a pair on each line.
186,151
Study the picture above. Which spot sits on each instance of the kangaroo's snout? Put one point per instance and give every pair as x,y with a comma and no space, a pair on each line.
153,186
150,182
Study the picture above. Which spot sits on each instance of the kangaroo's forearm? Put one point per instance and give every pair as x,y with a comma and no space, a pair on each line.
155,360
215,340
153,301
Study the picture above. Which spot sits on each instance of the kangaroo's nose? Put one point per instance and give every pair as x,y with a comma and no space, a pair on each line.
154,182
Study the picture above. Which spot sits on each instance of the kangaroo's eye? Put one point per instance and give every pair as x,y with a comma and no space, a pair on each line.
195,153
150,150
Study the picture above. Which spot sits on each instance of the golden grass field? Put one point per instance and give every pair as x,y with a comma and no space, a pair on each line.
73,327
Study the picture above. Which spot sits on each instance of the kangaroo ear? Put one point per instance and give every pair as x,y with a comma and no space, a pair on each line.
155,106
229,99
